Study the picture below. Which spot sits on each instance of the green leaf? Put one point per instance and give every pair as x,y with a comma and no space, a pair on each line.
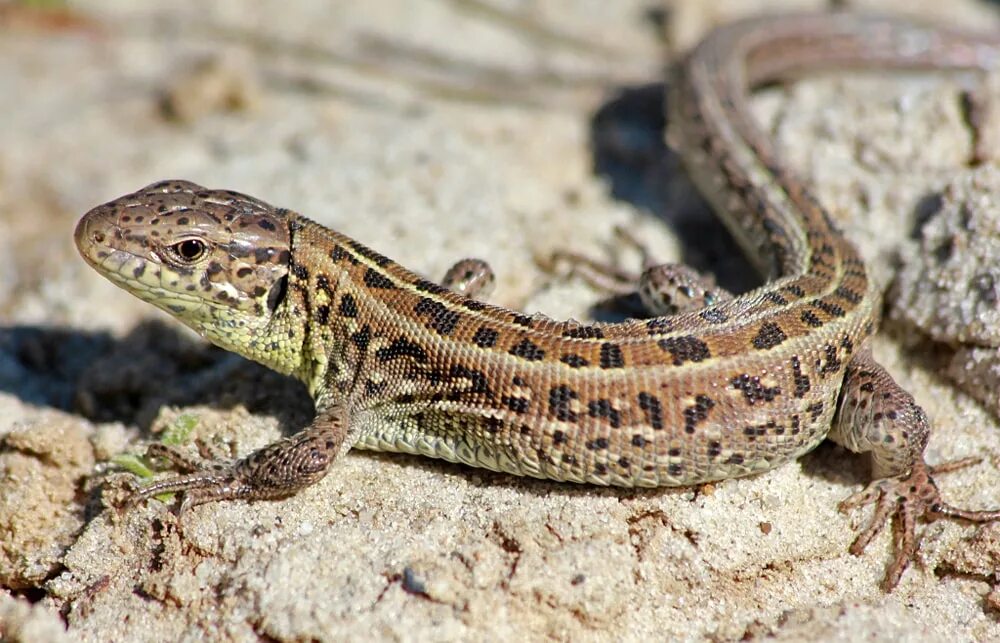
179,432
134,464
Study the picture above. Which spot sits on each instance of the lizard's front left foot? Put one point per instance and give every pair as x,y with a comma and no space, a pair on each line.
906,498
278,470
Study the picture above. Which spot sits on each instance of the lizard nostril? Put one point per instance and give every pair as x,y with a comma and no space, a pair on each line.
98,237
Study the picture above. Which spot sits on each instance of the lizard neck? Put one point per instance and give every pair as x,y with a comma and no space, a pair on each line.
305,337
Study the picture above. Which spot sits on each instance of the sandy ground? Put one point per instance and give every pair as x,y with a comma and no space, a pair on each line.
433,131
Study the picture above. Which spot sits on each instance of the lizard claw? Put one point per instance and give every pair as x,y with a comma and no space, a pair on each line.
275,471
906,498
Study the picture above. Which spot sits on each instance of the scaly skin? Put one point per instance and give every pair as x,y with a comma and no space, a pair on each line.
398,363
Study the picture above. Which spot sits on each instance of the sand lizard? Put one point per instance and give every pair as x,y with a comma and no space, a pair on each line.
727,387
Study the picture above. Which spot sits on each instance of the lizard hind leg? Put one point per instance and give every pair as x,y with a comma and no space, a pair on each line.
876,415
275,471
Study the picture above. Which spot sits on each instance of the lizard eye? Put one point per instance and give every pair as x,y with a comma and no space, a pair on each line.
190,250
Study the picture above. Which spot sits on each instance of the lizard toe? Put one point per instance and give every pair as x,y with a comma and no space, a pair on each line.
905,499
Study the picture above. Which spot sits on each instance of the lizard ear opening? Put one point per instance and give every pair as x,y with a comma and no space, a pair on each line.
277,294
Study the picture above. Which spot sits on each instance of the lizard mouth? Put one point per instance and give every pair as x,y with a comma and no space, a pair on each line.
99,240
96,235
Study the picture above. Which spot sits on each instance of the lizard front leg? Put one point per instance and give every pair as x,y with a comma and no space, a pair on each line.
293,463
277,470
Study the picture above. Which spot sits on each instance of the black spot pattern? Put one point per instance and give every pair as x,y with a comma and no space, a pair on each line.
847,294
604,409
527,350
423,285
560,398
769,336
338,254
775,298
401,348
362,338
485,337
802,383
479,383
348,306
753,391
659,325
366,252
651,406
685,349
795,290
574,360
516,404
375,279
522,320
611,356
583,332
440,318
299,271
810,319
697,412
833,310
832,363
473,305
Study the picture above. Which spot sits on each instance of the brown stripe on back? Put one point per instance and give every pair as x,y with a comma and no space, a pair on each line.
678,340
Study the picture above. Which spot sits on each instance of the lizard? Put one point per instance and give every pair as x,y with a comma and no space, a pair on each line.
713,388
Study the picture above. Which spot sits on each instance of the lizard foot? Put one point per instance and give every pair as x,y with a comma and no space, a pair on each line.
200,479
277,470
906,498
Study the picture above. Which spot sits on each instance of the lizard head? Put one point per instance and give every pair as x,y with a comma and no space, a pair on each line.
216,260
